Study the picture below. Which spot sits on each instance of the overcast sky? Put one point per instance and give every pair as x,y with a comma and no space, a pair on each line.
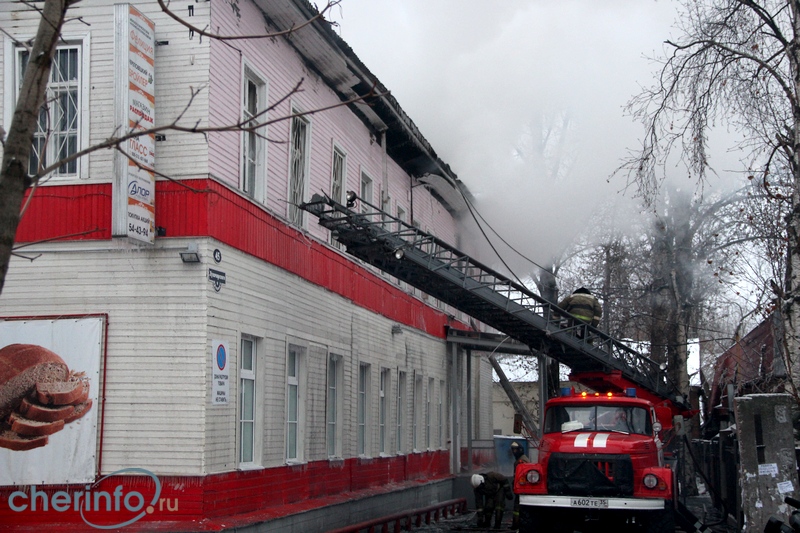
478,77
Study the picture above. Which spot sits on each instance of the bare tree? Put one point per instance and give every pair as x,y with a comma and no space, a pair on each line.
736,64
16,178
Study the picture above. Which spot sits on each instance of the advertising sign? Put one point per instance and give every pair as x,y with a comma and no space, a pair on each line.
49,385
135,46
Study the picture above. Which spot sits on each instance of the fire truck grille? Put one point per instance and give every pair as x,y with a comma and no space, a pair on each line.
589,475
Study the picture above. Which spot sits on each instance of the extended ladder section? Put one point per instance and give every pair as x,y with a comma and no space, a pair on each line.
433,266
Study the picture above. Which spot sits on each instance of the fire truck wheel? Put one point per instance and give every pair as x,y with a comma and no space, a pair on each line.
538,520
533,520
662,522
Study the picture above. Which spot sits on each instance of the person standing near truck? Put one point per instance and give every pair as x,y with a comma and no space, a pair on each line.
519,457
491,491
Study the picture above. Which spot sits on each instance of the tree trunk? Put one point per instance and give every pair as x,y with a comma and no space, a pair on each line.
14,179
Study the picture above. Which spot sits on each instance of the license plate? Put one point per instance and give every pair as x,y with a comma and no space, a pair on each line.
588,502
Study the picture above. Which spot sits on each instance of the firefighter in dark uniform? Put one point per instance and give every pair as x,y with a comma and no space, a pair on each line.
519,457
491,491
582,304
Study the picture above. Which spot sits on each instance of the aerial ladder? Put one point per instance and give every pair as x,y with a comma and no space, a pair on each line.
596,360
420,259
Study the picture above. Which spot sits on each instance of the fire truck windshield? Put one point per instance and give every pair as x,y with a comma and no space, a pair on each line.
615,418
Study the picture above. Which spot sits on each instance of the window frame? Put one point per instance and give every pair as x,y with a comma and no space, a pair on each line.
366,181
248,375
10,93
383,415
400,398
334,397
416,411
259,188
337,150
295,389
294,214
362,410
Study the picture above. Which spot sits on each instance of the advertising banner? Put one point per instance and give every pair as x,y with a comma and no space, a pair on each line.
49,385
135,51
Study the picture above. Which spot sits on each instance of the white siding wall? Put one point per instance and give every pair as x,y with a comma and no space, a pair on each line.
156,388
262,300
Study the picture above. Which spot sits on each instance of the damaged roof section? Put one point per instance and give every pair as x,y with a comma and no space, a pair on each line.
331,58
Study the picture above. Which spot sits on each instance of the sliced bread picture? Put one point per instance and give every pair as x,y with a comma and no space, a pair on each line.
22,366
38,396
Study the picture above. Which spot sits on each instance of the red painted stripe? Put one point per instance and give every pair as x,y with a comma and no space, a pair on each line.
218,501
67,212
206,208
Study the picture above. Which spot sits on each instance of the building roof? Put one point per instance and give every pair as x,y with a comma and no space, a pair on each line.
334,61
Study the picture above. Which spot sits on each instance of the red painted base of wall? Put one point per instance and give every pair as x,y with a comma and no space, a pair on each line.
214,502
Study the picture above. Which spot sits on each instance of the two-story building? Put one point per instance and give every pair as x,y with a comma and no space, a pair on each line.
242,369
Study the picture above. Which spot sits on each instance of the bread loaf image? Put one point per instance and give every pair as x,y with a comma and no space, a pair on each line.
22,366
38,396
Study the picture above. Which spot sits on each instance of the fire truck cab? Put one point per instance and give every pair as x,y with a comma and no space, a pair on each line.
601,459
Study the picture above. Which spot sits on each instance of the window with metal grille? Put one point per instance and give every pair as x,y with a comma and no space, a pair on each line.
298,168
338,179
58,127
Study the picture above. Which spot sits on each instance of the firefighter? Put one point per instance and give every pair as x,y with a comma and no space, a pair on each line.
519,457
490,490
582,304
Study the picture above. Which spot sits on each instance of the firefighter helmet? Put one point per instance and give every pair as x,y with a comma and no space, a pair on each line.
476,480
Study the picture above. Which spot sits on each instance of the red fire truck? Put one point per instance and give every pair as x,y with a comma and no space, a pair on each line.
601,458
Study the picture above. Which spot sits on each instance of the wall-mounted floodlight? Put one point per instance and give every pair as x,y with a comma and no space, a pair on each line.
190,255
351,199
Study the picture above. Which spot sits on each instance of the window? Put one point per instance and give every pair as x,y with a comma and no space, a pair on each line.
59,131
440,417
247,400
298,167
338,179
428,394
366,191
253,143
334,405
401,216
401,396
417,411
384,408
294,405
613,418
363,393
